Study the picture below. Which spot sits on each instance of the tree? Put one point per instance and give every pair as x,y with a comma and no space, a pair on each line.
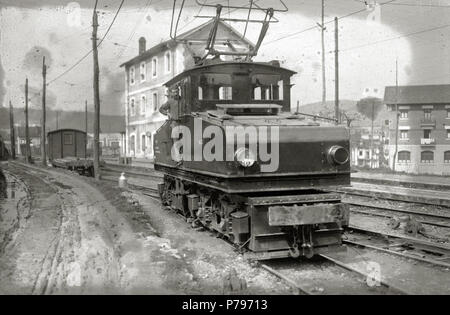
370,107
348,115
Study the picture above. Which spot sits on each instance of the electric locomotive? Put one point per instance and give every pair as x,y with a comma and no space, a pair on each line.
237,161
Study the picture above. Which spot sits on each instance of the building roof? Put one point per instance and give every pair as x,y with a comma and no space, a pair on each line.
418,94
184,37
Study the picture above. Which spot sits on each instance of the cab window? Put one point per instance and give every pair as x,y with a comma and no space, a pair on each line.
215,87
267,87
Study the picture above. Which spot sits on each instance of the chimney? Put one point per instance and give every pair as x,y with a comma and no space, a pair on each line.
142,44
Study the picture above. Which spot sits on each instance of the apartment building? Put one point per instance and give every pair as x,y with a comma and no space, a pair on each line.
147,73
423,130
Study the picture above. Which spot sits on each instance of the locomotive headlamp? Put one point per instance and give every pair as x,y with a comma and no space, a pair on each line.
338,155
245,157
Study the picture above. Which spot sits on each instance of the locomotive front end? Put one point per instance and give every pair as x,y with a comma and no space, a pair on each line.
291,211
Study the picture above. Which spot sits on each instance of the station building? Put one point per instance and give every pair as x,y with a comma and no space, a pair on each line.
424,128
147,73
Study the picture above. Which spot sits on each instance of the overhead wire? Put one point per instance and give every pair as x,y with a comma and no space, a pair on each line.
90,51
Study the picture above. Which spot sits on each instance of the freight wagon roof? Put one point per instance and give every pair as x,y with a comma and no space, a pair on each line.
65,130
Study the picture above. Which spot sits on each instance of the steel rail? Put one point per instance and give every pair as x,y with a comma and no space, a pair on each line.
431,215
290,282
386,196
404,238
371,213
401,254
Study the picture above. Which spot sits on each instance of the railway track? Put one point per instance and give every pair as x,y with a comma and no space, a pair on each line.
400,194
327,275
406,247
423,217
401,247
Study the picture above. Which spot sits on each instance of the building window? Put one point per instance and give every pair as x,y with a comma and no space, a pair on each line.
427,113
427,157
448,133
168,62
132,107
403,114
132,146
132,76
143,104
143,143
155,101
427,134
448,113
154,67
404,157
404,134
447,157
143,71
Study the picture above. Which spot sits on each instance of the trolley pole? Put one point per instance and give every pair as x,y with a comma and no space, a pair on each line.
43,133
336,67
96,97
27,131
12,131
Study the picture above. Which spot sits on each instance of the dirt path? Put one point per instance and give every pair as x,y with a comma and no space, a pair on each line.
69,240
75,236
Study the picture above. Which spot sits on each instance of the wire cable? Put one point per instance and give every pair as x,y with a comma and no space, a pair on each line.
90,51
315,26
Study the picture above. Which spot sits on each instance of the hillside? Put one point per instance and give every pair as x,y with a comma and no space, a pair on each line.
66,119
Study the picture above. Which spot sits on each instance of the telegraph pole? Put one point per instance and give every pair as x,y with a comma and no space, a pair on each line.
43,133
57,119
324,81
336,67
96,96
12,131
27,131
396,115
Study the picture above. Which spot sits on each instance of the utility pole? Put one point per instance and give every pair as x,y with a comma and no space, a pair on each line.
96,96
371,135
336,67
57,119
43,133
86,128
27,131
12,131
324,81
396,115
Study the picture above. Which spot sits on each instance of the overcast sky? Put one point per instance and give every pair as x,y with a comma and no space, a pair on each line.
414,31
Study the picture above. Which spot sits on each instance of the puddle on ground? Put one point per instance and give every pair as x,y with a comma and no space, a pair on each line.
11,199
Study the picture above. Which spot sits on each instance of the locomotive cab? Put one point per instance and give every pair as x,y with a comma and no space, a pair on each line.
203,88
237,161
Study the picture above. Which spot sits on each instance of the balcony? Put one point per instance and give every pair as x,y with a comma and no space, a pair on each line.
428,122
427,141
